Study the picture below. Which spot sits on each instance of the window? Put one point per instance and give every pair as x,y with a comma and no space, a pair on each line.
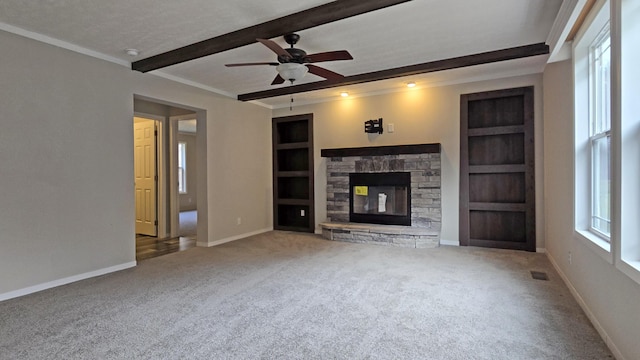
182,167
607,134
600,132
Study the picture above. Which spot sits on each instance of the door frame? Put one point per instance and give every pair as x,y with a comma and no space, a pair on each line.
174,196
201,160
161,167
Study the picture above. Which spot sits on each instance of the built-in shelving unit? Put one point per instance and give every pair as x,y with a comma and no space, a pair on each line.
293,207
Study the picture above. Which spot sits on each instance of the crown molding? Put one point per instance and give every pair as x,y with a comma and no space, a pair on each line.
567,16
62,44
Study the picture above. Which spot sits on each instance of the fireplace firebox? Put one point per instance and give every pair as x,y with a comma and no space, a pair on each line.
380,198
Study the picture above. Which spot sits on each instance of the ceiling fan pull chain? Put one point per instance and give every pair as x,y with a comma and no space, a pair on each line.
291,104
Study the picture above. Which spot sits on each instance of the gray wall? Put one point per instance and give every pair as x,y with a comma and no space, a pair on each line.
66,149
610,297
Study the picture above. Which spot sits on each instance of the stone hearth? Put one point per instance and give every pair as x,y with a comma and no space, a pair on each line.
422,161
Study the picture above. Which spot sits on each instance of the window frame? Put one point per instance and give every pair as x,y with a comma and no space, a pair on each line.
584,137
625,34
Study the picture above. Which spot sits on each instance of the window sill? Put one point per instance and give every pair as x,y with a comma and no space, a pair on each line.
596,244
630,268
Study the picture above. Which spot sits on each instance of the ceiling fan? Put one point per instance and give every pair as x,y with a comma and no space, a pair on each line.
294,63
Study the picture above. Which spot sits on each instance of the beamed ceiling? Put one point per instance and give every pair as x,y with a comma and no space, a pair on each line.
430,42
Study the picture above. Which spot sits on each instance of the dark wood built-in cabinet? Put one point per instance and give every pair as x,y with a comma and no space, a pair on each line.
293,207
497,188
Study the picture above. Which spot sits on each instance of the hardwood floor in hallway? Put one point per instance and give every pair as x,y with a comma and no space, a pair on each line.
148,247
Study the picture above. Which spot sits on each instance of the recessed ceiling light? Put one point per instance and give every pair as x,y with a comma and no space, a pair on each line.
132,52
411,84
344,94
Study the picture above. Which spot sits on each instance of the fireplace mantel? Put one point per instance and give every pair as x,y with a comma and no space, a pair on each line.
382,150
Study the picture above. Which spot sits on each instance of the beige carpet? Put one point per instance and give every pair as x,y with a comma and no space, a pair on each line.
291,296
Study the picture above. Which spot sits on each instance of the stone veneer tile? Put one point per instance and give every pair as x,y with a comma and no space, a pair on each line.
341,196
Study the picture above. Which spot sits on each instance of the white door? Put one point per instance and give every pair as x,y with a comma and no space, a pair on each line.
145,176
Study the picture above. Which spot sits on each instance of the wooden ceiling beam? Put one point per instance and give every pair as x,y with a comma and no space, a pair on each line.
439,65
319,15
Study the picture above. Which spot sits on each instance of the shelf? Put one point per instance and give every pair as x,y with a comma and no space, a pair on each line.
297,202
496,169
496,130
297,145
284,174
516,207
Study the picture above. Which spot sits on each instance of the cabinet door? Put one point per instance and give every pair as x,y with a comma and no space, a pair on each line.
497,190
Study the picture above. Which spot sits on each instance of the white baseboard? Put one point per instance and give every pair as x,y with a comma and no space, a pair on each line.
64,281
603,333
449,242
541,250
232,238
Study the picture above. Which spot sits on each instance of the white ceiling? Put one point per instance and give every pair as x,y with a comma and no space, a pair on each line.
410,33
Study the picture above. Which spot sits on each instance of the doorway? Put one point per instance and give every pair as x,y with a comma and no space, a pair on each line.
167,205
497,189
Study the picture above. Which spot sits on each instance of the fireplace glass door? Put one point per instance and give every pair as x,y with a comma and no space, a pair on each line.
380,198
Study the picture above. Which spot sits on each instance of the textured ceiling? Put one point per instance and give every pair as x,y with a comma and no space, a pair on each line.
410,33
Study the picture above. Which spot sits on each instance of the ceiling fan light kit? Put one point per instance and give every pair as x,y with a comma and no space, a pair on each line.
292,71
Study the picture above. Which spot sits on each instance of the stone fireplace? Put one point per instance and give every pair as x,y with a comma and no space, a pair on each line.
365,195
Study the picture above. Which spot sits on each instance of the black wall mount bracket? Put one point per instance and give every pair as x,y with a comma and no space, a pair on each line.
373,126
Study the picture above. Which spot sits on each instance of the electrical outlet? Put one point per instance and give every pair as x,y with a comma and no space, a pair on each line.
569,258
302,212
239,221
390,128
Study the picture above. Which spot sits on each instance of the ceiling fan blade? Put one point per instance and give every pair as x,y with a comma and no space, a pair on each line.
329,56
278,80
275,48
255,63
322,72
